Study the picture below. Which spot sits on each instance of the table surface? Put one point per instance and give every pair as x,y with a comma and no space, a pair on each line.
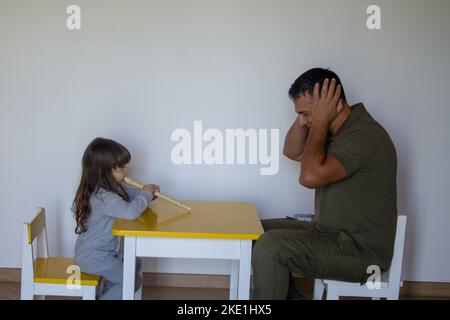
207,219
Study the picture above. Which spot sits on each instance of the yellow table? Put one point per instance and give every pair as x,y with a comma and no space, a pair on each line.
211,230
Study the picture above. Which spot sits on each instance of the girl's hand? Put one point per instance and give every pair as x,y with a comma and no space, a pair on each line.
152,188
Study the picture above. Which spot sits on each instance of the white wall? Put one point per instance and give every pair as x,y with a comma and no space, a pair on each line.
140,69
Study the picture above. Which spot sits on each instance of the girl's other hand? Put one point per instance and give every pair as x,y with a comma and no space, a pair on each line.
152,188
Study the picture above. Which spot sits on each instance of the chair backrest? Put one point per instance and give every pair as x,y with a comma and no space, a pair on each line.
35,230
397,259
36,226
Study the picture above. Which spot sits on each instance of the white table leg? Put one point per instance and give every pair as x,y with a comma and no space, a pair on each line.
129,268
244,270
88,292
234,278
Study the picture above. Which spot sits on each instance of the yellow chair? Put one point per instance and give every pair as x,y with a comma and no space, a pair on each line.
52,276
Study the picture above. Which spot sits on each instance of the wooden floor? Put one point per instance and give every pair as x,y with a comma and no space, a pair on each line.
11,291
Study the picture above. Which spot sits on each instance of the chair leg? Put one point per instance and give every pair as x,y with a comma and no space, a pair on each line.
318,289
138,294
393,295
88,292
332,293
26,291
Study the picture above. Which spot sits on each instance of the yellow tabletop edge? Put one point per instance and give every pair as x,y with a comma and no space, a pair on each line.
88,282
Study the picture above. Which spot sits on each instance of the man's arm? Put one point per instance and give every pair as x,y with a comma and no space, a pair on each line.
319,169
295,139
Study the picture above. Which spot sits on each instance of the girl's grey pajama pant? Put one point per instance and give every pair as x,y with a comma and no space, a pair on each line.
112,281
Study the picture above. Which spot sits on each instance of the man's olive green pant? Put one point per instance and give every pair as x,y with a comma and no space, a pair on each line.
289,245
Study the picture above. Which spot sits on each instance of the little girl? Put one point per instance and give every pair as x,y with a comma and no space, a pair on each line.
100,199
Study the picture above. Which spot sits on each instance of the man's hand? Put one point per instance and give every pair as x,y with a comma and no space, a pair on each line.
326,105
295,139
301,120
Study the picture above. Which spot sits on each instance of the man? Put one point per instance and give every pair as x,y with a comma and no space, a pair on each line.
350,161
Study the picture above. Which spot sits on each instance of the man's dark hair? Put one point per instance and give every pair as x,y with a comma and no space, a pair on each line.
305,83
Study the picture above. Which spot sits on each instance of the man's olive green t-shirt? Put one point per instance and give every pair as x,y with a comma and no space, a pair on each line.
363,205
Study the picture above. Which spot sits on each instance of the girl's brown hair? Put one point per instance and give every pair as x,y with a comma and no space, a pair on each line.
99,159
